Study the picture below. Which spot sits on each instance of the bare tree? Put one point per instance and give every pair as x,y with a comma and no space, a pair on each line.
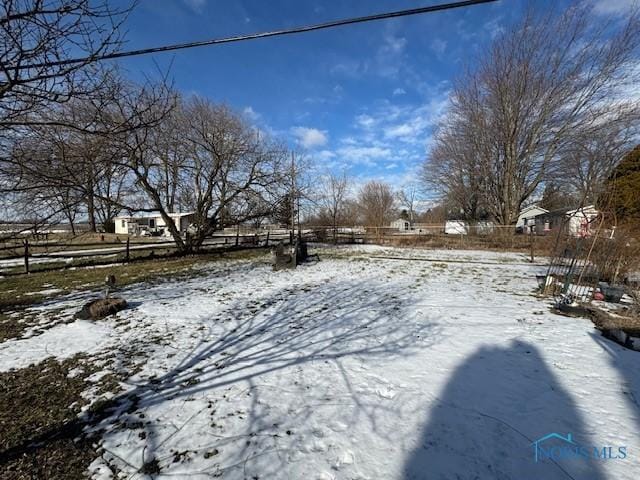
37,38
231,166
407,198
376,200
351,212
73,166
170,146
332,198
453,168
592,155
215,165
543,82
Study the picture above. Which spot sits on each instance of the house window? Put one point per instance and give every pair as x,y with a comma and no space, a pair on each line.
152,223
123,223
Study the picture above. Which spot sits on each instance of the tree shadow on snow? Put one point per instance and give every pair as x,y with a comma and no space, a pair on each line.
493,408
324,324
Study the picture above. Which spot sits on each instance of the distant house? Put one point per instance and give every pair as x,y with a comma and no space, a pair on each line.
151,223
580,222
527,219
401,225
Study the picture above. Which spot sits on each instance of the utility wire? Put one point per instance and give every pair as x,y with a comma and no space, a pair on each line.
254,36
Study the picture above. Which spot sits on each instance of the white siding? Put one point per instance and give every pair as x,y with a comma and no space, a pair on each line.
122,225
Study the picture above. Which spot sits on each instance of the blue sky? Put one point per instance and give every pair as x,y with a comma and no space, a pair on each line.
362,98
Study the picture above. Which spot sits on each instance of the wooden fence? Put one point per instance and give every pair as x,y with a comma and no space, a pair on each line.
59,256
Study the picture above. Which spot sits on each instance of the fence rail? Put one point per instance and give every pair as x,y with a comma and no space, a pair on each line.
124,252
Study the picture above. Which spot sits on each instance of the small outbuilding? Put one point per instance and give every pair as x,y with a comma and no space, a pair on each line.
456,227
401,225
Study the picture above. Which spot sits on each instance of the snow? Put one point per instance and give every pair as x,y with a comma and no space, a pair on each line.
354,367
16,262
62,341
46,291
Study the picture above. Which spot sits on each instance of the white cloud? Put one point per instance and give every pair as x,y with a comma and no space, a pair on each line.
438,46
399,91
399,131
324,155
196,5
349,68
494,27
390,136
614,7
364,155
251,114
333,96
390,56
412,124
365,121
393,45
310,137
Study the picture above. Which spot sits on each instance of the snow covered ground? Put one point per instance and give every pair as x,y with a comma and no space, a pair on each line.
354,367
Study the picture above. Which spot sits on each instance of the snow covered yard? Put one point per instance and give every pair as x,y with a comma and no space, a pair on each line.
354,367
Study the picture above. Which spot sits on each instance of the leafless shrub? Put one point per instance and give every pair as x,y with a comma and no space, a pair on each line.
618,258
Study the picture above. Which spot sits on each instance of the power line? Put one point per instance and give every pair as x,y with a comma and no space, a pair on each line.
254,36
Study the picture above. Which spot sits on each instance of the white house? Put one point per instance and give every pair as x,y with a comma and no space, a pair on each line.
401,225
527,219
581,222
151,223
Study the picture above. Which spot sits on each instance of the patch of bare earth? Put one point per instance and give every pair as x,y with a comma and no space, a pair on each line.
42,434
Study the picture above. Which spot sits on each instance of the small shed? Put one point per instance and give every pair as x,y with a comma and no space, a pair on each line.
401,225
456,227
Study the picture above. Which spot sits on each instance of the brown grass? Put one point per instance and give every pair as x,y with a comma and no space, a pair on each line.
35,406
517,243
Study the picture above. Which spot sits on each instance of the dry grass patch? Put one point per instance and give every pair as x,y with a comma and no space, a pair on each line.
39,407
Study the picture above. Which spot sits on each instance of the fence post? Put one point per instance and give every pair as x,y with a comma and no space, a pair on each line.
26,255
290,238
267,242
126,255
531,238
237,234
